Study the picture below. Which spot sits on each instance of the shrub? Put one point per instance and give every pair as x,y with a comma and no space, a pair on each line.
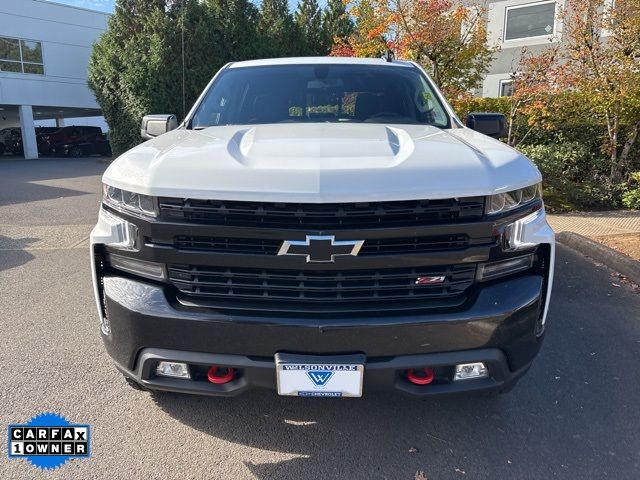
567,146
631,197
574,176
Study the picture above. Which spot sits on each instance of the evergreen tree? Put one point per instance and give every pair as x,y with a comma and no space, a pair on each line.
279,36
336,23
136,67
128,68
308,18
237,22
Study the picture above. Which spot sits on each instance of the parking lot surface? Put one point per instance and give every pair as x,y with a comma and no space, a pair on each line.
573,416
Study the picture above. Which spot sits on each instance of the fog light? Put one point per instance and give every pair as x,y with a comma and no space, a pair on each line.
467,371
173,369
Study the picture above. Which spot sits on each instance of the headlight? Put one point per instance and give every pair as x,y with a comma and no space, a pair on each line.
128,201
504,202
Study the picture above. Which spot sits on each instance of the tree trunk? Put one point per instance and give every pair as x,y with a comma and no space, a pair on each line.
628,145
616,175
512,116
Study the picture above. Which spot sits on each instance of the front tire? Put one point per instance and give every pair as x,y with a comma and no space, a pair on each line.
75,152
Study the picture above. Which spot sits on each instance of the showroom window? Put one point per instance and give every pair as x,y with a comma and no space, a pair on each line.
530,20
506,88
21,56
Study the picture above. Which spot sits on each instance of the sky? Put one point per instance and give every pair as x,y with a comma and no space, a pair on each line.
107,5
100,5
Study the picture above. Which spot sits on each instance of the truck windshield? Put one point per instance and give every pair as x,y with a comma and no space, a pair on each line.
320,93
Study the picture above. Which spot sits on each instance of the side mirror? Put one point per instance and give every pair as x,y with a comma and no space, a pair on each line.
154,125
490,123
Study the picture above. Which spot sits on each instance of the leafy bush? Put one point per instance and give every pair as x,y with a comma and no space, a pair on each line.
464,105
573,176
631,197
567,148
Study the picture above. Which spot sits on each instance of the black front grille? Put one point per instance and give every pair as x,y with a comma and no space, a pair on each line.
321,216
260,246
308,290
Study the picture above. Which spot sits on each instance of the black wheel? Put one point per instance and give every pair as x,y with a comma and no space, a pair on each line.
75,152
2,148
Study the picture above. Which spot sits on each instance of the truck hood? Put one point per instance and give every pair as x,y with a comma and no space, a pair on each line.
321,162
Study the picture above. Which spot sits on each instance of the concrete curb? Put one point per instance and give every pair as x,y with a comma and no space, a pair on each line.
617,261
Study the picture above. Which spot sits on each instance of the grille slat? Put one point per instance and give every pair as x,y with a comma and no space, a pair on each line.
384,246
322,215
309,288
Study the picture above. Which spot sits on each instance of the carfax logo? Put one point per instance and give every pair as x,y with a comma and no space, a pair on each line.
48,440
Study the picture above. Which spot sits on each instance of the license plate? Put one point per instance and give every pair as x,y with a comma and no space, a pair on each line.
319,379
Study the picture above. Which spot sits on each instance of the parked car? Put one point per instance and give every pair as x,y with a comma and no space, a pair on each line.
14,140
64,135
92,144
6,138
323,227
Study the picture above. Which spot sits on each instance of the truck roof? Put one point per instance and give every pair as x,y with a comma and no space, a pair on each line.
319,61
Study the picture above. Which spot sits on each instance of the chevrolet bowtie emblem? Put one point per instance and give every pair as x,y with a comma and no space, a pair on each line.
321,248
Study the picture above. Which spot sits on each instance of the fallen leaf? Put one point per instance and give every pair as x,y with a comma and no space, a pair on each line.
420,475
413,450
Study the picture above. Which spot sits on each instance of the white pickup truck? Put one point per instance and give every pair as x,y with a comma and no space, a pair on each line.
324,227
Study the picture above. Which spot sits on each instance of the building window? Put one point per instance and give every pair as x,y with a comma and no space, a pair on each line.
506,88
530,20
21,56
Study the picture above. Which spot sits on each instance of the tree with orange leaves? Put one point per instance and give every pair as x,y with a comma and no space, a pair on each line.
594,72
600,65
447,39
533,88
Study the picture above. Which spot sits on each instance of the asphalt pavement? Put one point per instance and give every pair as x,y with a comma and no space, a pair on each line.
573,416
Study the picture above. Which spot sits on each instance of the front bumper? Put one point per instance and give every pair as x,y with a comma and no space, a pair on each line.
380,374
499,330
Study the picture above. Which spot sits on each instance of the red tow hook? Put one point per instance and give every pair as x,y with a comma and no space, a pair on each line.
220,375
420,376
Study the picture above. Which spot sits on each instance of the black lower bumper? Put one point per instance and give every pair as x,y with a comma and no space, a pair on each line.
380,374
498,329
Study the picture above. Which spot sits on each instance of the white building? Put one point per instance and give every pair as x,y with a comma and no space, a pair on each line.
514,24
44,53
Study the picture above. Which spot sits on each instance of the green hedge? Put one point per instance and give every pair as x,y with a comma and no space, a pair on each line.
568,152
